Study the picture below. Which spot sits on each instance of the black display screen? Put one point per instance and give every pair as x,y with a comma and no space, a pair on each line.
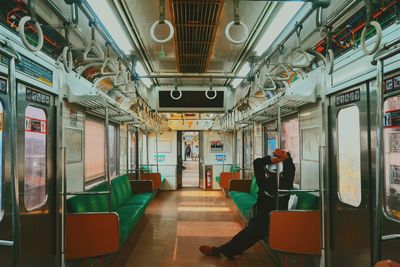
191,99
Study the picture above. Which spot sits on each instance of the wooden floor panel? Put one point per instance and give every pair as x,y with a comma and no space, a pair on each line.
178,222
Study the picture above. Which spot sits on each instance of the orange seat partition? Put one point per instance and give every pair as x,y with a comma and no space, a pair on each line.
387,263
155,177
226,177
91,235
297,232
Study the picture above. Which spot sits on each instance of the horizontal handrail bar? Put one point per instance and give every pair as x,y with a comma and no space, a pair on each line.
87,193
147,164
6,243
297,190
391,237
245,169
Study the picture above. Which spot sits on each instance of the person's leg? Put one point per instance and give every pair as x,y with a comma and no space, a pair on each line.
255,231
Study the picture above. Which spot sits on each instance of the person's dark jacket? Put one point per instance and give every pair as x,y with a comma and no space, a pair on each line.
267,184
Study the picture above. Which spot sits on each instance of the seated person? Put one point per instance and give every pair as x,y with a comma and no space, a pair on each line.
266,179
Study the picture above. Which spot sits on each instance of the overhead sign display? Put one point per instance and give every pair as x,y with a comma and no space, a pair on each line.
32,69
348,98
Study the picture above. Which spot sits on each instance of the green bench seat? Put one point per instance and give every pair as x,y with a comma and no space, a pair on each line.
244,194
128,205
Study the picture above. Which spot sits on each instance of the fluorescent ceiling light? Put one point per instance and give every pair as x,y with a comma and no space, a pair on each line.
279,22
107,15
141,71
244,70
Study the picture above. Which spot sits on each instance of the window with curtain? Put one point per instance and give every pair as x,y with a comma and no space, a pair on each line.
94,149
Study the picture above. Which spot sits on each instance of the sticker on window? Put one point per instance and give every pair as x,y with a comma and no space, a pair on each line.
35,125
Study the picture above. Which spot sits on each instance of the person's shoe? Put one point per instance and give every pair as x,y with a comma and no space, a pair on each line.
209,251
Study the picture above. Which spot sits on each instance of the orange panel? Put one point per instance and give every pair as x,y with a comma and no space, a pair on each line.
387,263
155,177
296,232
91,235
225,178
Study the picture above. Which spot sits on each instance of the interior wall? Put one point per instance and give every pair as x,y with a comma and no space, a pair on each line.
123,148
166,156
310,123
74,126
216,158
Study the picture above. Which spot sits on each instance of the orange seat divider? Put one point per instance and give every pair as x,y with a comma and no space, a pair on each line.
225,178
91,235
296,232
387,263
155,177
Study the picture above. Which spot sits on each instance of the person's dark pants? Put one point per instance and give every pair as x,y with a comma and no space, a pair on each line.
256,230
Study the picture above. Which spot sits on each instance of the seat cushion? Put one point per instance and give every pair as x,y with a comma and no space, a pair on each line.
129,216
139,199
122,189
244,201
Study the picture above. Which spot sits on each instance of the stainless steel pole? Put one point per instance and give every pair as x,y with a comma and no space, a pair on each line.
279,144
376,254
147,150
107,155
12,90
157,151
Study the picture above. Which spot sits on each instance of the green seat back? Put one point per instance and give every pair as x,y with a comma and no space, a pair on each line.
234,168
307,201
122,189
90,203
254,188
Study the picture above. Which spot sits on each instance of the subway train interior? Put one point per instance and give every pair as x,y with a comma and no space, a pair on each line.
129,129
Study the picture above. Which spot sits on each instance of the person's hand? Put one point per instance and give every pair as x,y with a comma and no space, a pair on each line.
280,155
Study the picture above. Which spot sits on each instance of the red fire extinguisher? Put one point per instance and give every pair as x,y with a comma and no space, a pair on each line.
208,179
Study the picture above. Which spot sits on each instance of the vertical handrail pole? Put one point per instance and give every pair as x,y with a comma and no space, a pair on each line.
376,256
12,90
64,198
147,150
223,151
234,147
279,144
107,156
157,151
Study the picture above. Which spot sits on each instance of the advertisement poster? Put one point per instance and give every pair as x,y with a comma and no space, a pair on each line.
216,146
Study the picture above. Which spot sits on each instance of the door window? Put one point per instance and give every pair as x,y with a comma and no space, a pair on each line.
391,141
349,156
35,195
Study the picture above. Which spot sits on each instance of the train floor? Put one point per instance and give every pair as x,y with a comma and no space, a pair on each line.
178,222
190,175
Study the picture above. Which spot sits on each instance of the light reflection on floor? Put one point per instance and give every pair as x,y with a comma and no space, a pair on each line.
180,221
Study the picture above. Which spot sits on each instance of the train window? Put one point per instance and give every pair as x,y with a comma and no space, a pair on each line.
349,156
269,139
391,139
94,149
123,146
132,149
1,160
248,151
291,143
112,153
35,195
